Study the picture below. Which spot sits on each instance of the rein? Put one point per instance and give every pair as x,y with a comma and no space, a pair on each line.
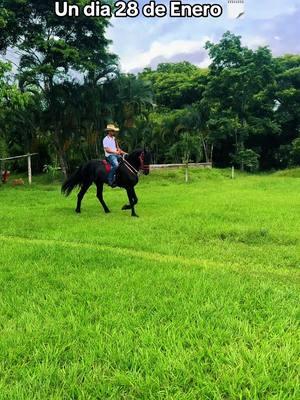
130,167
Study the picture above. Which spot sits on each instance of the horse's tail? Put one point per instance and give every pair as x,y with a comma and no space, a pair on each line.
72,181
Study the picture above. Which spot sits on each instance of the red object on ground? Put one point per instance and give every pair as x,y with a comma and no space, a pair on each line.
107,165
5,176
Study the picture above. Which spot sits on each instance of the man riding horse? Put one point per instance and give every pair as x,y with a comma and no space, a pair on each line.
113,152
95,171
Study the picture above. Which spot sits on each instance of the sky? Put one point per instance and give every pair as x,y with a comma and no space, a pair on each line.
145,42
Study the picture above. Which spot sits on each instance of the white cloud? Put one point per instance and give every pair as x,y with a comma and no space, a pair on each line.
254,41
166,50
205,63
147,41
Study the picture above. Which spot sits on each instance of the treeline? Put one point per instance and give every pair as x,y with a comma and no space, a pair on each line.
66,86
243,110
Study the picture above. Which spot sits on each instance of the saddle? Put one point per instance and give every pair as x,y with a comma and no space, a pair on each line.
106,165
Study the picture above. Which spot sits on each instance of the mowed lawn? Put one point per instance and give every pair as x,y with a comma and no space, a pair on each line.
196,299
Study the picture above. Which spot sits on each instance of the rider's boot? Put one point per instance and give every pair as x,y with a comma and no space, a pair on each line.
113,183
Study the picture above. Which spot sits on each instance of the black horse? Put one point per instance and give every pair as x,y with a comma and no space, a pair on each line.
94,171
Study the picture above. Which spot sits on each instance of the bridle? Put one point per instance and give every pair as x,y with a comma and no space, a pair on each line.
130,167
144,167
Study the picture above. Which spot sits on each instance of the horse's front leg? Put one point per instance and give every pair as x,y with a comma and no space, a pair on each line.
132,201
135,200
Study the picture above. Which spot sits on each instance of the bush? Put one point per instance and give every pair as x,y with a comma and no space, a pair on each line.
282,156
295,152
248,159
52,172
3,148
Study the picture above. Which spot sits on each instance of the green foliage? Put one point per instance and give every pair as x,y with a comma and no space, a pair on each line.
3,148
52,172
247,159
68,87
288,97
176,85
241,83
133,98
186,148
283,155
232,105
288,173
14,113
51,50
295,152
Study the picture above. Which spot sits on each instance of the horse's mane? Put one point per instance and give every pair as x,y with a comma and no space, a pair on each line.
134,154
136,151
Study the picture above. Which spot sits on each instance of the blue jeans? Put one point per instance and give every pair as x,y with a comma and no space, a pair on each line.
113,159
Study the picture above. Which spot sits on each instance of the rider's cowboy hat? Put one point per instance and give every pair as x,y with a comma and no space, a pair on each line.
112,127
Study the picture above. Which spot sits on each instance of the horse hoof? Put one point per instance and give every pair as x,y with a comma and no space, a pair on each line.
107,211
77,211
135,215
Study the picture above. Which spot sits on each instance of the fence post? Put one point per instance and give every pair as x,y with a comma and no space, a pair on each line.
29,169
186,172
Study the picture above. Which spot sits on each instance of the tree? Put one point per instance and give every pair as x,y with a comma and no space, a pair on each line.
133,97
287,94
240,81
14,107
176,85
53,50
295,152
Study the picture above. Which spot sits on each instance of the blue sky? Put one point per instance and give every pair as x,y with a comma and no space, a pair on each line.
142,42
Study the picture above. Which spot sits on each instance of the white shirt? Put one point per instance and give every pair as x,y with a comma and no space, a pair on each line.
111,143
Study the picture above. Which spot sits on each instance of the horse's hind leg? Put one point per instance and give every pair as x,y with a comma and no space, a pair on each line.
83,190
100,197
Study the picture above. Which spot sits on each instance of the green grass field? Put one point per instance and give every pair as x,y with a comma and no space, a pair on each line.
196,299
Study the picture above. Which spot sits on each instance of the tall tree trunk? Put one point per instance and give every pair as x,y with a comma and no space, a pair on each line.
61,155
211,153
62,162
204,145
242,144
242,147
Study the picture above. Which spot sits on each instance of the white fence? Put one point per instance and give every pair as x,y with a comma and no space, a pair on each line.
197,165
28,156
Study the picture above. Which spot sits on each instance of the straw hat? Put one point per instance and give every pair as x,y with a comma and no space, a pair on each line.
112,127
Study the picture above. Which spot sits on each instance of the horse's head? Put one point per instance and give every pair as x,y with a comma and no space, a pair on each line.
145,161
140,159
